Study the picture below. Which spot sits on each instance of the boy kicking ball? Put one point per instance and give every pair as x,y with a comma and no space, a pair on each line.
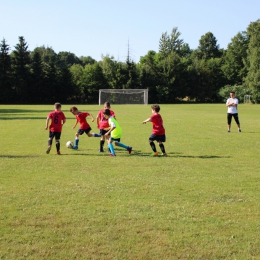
158,132
84,126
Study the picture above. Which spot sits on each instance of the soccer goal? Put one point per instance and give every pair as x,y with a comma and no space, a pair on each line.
247,99
123,96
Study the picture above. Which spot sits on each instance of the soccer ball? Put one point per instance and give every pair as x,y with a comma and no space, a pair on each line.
69,144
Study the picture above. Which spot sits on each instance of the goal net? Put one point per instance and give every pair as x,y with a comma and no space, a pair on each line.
123,96
247,99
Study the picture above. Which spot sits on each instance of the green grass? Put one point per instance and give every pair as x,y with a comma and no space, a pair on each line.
201,202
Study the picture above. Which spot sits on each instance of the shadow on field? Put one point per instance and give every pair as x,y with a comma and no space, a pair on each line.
203,156
18,156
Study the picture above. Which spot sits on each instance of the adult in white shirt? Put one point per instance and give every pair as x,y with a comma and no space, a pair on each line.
232,103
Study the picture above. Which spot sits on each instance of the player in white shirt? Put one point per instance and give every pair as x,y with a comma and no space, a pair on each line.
232,103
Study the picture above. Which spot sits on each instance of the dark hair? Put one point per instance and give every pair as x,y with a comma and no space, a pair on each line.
155,107
232,92
72,109
107,104
57,105
106,112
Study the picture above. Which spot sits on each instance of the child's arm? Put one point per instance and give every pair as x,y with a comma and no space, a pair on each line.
47,123
75,124
97,120
110,130
92,118
147,120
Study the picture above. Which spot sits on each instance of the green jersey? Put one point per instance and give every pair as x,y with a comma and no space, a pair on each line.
117,132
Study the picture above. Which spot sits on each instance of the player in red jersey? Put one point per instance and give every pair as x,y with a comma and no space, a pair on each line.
58,119
158,132
84,126
103,125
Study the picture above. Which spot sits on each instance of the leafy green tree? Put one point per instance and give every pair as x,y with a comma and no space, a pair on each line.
77,74
149,74
208,47
5,73
235,59
110,71
67,58
21,68
170,43
86,60
94,80
252,80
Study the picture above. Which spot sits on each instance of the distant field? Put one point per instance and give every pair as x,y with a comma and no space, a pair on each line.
201,202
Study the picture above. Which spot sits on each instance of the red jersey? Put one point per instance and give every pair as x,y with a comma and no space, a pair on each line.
157,121
103,122
57,118
81,118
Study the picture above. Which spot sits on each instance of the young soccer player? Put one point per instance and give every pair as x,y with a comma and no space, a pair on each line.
84,126
115,133
103,125
58,119
158,132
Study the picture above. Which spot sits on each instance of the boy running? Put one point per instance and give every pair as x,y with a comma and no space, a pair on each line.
58,119
84,126
116,133
103,125
158,132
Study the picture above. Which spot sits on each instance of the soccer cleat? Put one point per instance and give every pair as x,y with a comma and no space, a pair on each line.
75,147
239,130
101,151
129,149
58,152
163,154
48,150
154,154
111,155
228,131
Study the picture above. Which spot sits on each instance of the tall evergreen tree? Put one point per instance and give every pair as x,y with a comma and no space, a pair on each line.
21,68
5,74
38,79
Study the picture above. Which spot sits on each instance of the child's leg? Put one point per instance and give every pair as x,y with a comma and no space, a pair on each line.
111,147
49,145
58,146
76,141
152,144
128,148
162,147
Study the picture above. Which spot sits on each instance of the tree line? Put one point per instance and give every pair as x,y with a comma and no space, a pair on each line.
174,74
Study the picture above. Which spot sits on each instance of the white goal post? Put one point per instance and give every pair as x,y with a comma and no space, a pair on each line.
123,96
247,99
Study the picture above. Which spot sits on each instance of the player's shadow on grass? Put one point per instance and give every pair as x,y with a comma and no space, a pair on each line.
203,156
18,156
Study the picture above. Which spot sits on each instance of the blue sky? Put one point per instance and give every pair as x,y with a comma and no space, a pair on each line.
105,27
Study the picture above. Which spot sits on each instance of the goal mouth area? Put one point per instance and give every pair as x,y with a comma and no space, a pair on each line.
123,96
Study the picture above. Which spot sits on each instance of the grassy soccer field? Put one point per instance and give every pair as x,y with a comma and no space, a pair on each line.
200,202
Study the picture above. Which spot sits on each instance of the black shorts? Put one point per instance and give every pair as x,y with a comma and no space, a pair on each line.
115,139
82,131
103,131
158,138
229,118
55,134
